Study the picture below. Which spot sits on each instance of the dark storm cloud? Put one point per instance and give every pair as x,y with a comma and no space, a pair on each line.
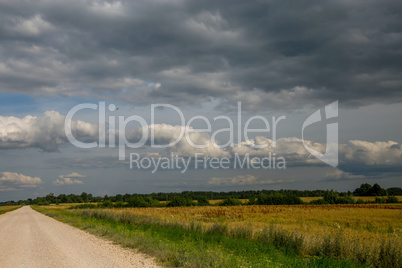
268,54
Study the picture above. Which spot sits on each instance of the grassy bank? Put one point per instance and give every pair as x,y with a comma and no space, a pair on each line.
179,247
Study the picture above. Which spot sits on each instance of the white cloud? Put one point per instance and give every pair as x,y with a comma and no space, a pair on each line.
11,181
73,175
31,27
359,152
165,134
45,132
373,153
107,9
68,179
342,175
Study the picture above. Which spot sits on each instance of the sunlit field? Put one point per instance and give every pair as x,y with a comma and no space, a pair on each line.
4,209
304,199
369,234
371,198
313,198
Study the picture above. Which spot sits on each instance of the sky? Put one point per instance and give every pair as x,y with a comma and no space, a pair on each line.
317,86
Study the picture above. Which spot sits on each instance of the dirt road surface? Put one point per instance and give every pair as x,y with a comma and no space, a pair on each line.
31,239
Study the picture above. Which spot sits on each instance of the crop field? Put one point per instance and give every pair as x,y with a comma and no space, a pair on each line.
309,199
372,198
363,234
4,209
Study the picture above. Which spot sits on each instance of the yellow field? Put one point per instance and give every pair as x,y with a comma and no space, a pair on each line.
364,198
2,208
5,209
360,229
372,198
309,199
217,201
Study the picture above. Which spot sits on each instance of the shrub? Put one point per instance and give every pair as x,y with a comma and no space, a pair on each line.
379,200
119,204
106,204
231,202
202,201
392,199
278,199
137,201
319,202
178,201
360,201
345,200
252,201
332,197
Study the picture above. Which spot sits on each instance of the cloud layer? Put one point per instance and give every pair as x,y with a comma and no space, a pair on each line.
11,181
46,132
270,55
68,179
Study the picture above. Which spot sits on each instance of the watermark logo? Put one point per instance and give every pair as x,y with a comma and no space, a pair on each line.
113,132
331,153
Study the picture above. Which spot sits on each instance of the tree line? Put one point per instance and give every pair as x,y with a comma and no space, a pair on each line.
191,198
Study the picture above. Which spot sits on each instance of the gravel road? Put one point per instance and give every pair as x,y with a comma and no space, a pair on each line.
31,239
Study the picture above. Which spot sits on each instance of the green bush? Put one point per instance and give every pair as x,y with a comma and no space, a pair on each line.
360,201
178,201
230,202
392,199
332,197
278,199
106,204
202,201
137,201
379,200
319,202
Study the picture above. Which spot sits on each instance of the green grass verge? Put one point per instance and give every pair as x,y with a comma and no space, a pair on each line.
176,247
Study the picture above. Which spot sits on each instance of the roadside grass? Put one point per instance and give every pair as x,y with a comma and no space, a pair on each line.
5,209
175,246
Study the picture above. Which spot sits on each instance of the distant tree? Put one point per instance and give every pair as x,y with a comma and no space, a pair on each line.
202,201
137,201
376,190
118,198
178,201
64,199
252,200
84,197
107,204
332,197
231,202
394,191
363,190
392,199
